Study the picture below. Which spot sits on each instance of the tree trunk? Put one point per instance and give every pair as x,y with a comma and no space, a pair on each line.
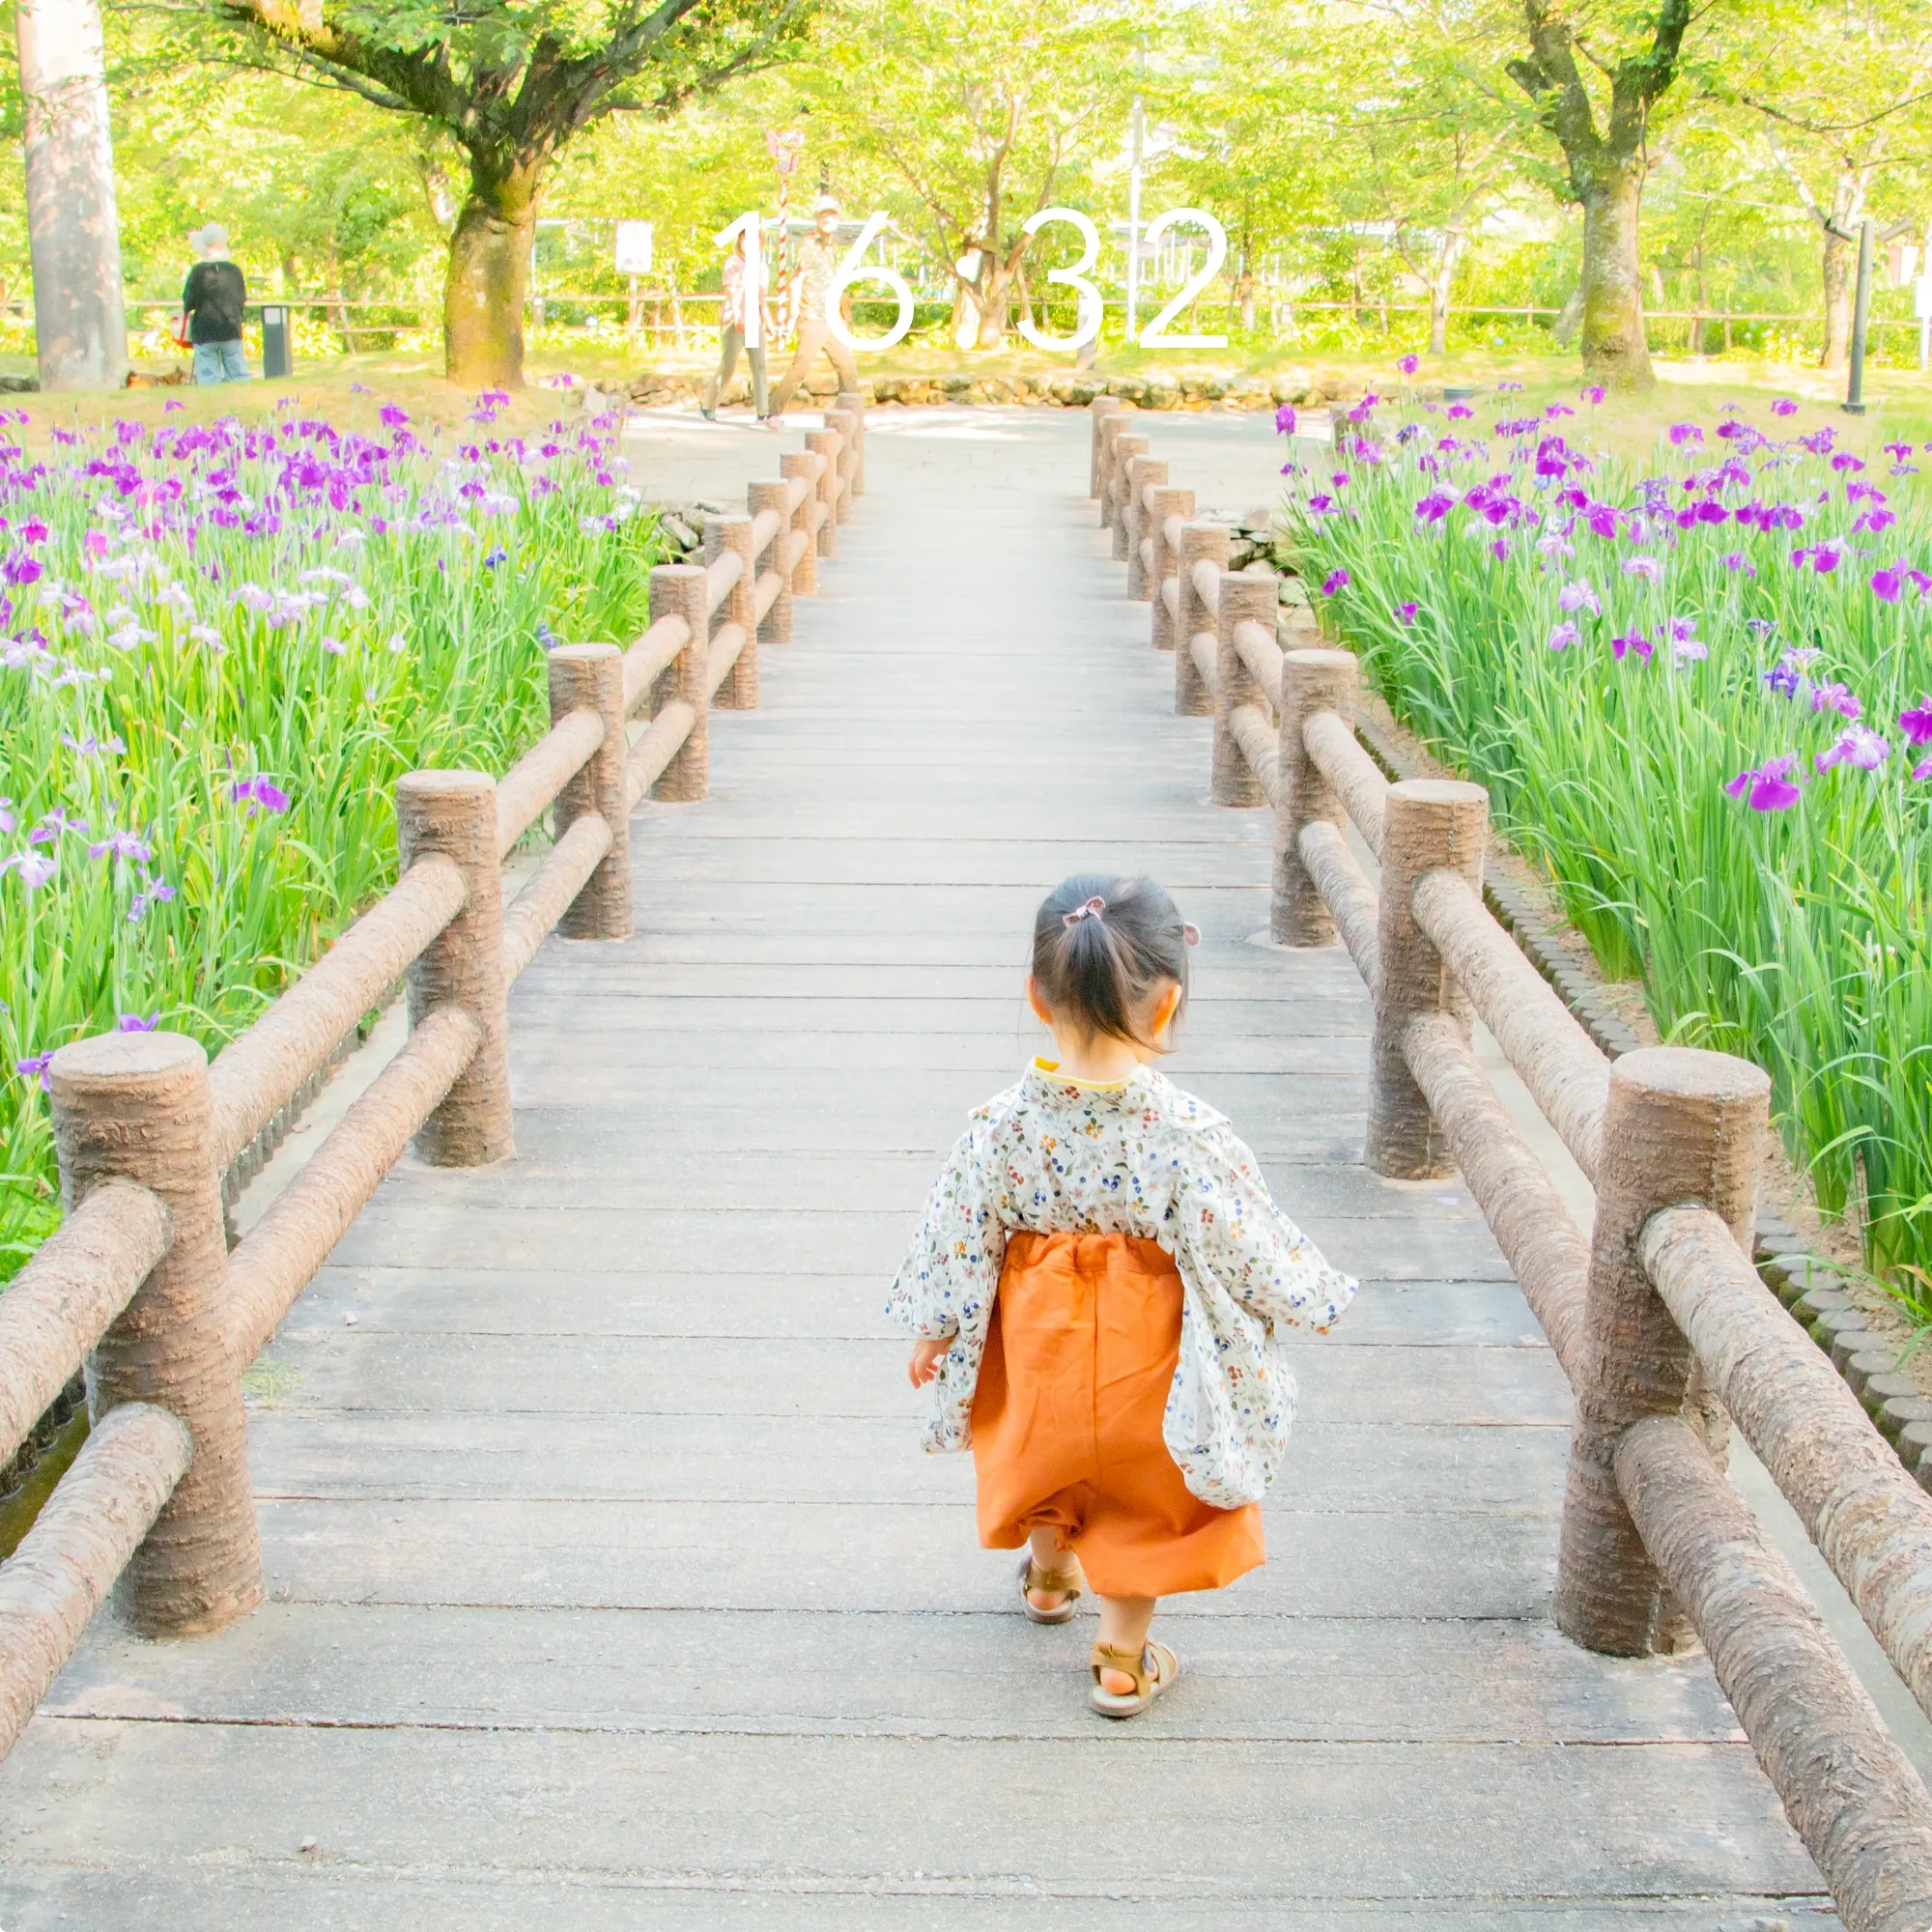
1440,284
995,296
80,321
1614,348
1836,269
489,276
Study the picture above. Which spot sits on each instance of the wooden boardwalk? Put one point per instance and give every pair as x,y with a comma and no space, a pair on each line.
609,1587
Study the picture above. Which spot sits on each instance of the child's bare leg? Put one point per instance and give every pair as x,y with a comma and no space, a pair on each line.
1124,1625
1049,1553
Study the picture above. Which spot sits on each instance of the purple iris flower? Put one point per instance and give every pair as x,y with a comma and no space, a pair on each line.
1409,365
1340,480
392,416
1836,697
1735,559
1335,582
1555,410
135,1023
1580,596
1783,406
1405,616
259,793
1594,394
1460,412
1783,679
1767,787
1886,585
1637,641
1845,459
1860,746
1284,419
1433,507
1916,724
1922,769
1683,433
1874,520
1320,504
35,1067
1365,409
1562,637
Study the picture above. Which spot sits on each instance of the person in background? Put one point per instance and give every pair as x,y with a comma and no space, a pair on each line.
817,263
737,311
212,299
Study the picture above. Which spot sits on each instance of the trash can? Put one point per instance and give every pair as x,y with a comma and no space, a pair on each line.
275,356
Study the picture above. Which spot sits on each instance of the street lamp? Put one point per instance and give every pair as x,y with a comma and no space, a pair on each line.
1855,387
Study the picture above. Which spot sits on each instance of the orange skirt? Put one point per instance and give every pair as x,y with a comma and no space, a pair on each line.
1067,1420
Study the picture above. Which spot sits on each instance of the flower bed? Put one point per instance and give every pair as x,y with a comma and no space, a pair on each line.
219,648
1699,695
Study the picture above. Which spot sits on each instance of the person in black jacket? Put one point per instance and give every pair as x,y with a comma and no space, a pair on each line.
212,304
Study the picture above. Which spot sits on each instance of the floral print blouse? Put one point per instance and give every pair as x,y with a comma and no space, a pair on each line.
1142,1158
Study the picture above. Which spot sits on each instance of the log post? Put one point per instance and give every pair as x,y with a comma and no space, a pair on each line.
1310,681
1125,450
135,1106
740,691
1679,1126
826,442
1111,425
591,677
1167,503
1243,600
1143,473
678,590
800,467
454,813
1428,824
1191,697
1098,410
853,404
843,424
776,628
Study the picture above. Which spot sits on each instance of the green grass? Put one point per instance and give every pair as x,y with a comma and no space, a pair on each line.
1798,937
236,640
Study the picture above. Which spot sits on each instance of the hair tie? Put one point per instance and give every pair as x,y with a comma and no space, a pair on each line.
1190,933
1093,909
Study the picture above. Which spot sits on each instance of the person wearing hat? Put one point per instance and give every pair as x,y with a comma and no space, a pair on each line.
817,263
212,304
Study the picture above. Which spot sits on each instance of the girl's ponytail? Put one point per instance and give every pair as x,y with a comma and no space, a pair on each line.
1100,947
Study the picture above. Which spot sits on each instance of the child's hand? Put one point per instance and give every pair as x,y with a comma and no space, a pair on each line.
924,1364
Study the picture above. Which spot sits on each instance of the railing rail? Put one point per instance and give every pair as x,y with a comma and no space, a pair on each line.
1657,1316
138,1282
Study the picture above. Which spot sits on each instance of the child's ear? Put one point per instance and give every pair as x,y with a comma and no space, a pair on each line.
1036,1000
1165,1008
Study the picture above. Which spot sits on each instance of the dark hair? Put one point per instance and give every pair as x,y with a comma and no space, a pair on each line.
1100,966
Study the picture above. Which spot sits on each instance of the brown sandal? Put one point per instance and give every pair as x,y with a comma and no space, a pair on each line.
1070,1582
1152,1670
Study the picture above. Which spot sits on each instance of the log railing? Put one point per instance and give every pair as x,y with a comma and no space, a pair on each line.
138,1283
1657,1316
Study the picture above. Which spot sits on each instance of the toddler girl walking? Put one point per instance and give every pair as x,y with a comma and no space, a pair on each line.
1100,1289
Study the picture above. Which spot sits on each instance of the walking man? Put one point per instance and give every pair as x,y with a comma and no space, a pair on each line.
212,304
817,263
739,299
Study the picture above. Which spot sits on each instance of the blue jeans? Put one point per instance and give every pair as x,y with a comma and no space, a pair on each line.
219,362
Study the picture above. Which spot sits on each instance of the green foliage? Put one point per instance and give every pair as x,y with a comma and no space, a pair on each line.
1799,936
330,620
